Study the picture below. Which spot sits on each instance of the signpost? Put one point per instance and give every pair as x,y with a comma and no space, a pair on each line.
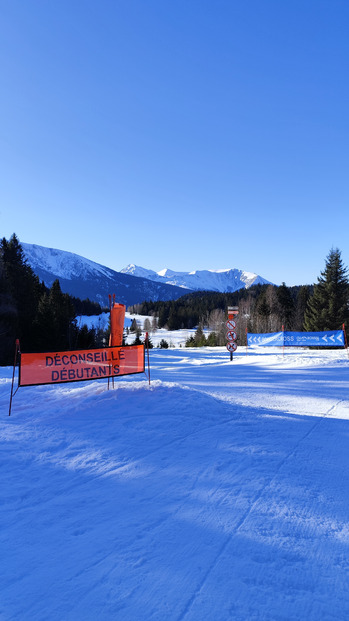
231,347
231,334
75,366
231,324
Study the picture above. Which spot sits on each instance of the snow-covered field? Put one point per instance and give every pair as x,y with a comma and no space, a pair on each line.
219,492
174,338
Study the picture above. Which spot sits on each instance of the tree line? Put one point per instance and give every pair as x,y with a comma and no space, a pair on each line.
262,308
42,318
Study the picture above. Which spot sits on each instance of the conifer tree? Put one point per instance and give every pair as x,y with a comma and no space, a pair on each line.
147,325
286,305
328,307
8,319
54,324
263,313
200,338
23,289
134,325
300,307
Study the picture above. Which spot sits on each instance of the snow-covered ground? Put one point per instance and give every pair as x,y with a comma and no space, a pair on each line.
174,338
218,492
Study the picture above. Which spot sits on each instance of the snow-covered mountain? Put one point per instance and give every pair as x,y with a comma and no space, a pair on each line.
225,281
83,278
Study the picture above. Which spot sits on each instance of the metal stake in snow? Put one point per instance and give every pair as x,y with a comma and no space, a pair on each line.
345,339
147,346
17,351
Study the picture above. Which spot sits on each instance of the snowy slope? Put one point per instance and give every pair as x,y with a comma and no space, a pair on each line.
85,279
62,264
174,338
229,280
219,492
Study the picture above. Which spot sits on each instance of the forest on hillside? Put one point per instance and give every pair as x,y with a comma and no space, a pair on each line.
262,308
42,318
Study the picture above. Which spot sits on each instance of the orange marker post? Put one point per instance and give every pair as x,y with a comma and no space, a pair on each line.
117,320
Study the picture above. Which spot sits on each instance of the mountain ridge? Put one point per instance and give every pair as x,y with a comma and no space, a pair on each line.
84,278
223,280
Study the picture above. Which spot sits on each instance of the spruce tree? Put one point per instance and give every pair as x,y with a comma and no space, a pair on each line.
263,313
286,306
23,290
8,319
54,325
300,308
328,307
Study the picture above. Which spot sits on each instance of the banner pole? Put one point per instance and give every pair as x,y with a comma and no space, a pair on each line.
13,374
283,342
345,340
246,342
147,342
109,296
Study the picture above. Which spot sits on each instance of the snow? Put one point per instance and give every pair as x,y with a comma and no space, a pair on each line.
61,263
218,492
211,280
174,338
51,263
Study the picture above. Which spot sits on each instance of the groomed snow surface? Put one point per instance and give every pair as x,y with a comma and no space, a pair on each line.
218,492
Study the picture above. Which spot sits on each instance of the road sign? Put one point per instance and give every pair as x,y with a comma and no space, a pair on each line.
231,336
233,310
231,347
231,324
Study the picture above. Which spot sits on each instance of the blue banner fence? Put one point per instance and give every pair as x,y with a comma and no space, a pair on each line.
330,338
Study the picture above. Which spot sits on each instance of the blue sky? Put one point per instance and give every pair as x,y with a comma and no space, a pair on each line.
188,134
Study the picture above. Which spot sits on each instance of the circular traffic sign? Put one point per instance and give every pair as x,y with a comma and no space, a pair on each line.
231,346
231,324
231,336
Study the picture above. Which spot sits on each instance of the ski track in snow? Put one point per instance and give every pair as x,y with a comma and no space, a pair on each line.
219,492
246,514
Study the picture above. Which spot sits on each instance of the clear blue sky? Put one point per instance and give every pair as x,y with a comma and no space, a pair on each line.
189,134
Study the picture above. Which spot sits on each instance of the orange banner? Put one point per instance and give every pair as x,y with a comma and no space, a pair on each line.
77,366
117,319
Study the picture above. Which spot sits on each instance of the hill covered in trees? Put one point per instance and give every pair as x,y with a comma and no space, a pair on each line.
262,308
42,318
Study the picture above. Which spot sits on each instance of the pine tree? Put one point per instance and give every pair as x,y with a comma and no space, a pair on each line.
300,308
147,325
262,313
134,325
286,305
328,307
54,324
23,290
200,338
8,320
63,315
